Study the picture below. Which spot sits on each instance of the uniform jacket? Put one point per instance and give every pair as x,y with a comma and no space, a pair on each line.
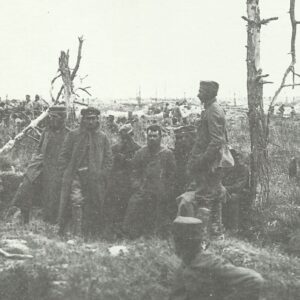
211,136
154,173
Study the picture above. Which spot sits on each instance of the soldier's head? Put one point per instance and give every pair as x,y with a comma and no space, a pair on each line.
57,116
126,133
184,137
154,136
208,90
188,234
90,118
111,118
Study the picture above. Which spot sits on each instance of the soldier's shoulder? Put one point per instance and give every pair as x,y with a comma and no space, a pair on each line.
215,110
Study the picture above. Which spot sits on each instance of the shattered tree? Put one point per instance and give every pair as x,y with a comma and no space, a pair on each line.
259,175
290,71
68,89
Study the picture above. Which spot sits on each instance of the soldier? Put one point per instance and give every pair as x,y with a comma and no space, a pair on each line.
184,141
43,175
236,181
209,155
176,114
120,183
154,169
111,124
203,275
85,160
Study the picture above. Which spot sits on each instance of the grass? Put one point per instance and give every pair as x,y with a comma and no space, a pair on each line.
77,270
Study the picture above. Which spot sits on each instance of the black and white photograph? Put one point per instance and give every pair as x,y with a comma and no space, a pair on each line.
150,150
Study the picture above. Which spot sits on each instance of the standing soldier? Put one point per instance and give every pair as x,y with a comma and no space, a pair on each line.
203,275
43,176
86,160
120,183
208,155
154,169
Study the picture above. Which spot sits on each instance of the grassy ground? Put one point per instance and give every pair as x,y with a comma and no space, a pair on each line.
72,270
78,270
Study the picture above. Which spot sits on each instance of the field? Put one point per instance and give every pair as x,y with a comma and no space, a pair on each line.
72,269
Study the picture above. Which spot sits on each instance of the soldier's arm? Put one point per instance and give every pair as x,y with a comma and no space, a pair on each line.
65,152
216,123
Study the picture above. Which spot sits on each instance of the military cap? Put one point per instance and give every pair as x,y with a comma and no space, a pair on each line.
184,129
127,128
211,87
90,112
57,109
188,228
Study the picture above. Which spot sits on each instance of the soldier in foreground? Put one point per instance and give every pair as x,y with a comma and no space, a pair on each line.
153,172
208,156
120,179
43,177
85,160
203,275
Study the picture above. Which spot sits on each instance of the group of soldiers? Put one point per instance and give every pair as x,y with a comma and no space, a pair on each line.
86,185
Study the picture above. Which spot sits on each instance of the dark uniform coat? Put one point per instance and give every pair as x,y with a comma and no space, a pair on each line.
153,184
204,163
120,178
99,158
43,176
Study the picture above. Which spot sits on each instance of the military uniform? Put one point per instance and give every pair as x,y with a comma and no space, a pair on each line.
43,177
119,190
153,184
184,141
85,160
204,276
205,164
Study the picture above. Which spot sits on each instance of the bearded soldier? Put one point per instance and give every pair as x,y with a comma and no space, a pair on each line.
85,160
203,275
154,169
43,176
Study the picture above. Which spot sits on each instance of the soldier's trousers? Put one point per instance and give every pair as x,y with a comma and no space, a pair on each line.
86,217
23,199
210,194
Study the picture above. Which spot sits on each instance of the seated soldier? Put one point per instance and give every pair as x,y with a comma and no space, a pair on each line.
203,275
237,207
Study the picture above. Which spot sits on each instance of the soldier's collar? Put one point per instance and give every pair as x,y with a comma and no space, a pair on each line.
209,103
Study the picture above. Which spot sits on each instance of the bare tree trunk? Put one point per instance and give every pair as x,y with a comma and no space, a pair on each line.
67,84
259,176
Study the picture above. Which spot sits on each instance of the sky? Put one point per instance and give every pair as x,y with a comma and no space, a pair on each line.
165,47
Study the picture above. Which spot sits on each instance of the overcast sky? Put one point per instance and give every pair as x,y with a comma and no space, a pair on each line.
164,46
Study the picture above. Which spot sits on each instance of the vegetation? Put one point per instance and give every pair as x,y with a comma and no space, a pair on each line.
76,269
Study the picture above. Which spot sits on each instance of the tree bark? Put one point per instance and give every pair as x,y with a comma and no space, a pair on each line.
259,169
